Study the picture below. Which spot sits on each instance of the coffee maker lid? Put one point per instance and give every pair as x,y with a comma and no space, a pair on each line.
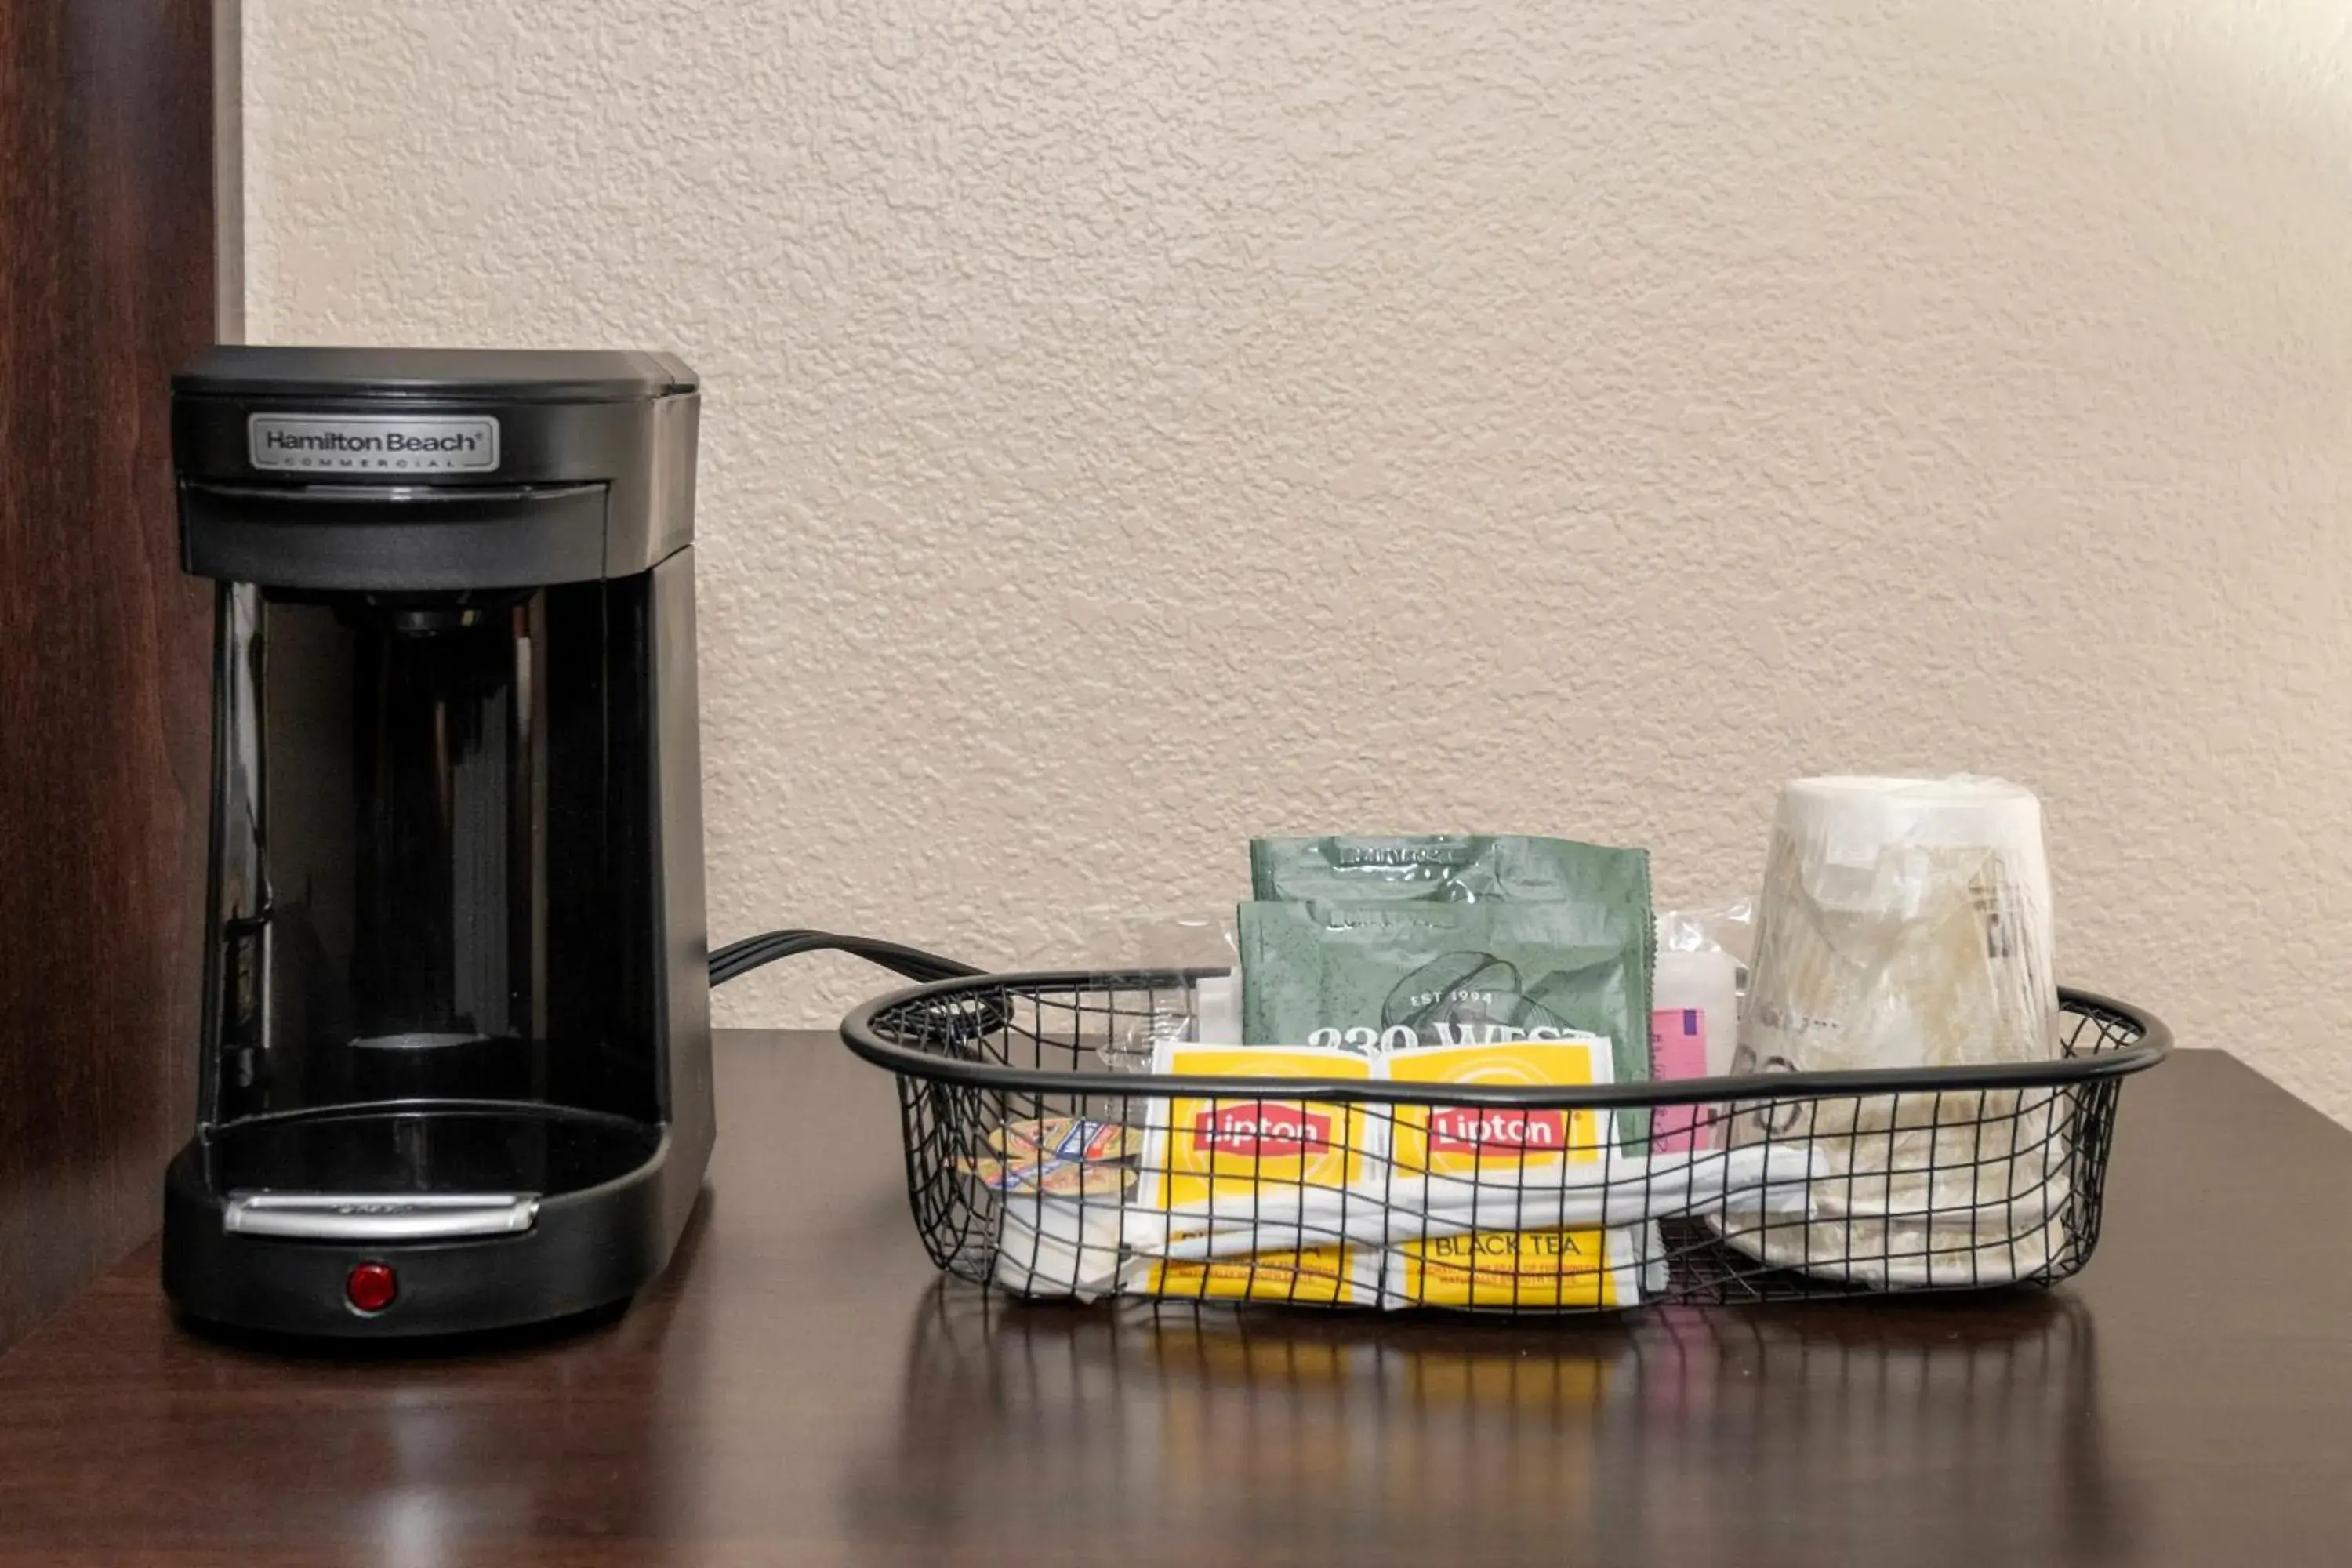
405,469
506,376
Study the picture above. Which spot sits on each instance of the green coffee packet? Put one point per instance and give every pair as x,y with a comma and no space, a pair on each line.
1446,868
1385,976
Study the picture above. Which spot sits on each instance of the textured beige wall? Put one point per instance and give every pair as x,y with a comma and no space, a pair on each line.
1129,427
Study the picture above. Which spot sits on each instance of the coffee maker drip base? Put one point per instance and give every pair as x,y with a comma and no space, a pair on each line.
477,1216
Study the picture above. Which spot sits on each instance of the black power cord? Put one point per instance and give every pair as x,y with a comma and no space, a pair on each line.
740,958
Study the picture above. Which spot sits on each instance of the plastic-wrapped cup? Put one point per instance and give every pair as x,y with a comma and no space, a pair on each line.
1905,923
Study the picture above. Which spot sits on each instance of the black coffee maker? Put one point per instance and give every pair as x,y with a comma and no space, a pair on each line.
456,1066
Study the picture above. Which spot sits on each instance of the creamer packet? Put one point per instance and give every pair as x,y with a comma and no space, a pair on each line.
1060,1156
1063,1137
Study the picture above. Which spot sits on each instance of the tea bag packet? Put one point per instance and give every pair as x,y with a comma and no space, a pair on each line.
1388,977
1248,1159
1506,1158
1297,1197
1446,868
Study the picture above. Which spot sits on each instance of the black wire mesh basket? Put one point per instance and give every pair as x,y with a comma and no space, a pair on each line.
1039,1160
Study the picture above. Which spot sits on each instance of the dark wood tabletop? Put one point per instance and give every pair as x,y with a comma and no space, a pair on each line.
801,1388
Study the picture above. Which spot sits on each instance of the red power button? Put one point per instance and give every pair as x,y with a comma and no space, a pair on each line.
370,1288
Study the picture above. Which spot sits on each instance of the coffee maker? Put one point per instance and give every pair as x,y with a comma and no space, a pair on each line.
456,1056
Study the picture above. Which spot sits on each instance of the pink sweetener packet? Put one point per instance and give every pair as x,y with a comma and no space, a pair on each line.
1677,1050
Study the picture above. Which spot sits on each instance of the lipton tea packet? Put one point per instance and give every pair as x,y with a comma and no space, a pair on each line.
1218,1154
1396,976
1491,1146
1446,867
1526,1269
1507,1150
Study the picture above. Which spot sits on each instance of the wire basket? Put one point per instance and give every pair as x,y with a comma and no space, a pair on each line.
1037,1159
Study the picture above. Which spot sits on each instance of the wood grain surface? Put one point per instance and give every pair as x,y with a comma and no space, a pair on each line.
105,281
801,1388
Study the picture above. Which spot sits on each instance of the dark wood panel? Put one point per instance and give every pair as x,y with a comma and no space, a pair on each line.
106,280
802,1388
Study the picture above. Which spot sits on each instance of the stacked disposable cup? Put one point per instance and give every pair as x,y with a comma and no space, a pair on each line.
1905,923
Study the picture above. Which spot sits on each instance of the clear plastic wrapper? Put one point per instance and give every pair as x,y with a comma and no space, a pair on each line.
1207,1011
1905,923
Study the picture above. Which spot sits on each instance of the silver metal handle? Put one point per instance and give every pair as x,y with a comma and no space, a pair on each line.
379,1217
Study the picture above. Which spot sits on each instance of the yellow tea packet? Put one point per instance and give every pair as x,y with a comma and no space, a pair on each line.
1532,1268
1498,1145
1219,1152
1505,1151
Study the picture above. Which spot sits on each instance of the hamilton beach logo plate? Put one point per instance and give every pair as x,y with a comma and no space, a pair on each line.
372,443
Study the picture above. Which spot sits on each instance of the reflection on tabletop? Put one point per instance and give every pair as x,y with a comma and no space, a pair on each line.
1777,1435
